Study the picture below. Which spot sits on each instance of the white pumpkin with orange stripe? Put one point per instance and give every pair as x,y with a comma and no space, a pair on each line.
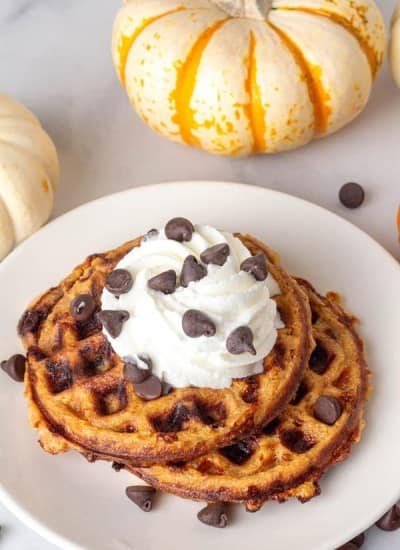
29,173
248,76
395,45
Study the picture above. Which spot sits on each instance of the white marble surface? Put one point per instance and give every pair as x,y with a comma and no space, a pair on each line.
55,57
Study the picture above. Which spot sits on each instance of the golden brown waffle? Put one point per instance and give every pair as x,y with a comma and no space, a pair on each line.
76,381
293,451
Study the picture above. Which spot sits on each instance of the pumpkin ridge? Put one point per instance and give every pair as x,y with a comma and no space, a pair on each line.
374,60
255,109
125,43
186,82
36,158
316,91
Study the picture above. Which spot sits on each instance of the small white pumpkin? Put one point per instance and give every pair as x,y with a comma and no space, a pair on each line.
248,76
395,45
29,173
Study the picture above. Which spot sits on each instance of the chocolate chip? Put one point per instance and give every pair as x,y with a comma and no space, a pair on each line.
257,266
15,367
29,322
119,282
142,496
240,341
319,360
217,254
192,271
327,409
113,321
196,324
151,234
351,195
164,282
358,540
82,307
391,520
179,229
214,515
149,389
118,466
348,546
135,374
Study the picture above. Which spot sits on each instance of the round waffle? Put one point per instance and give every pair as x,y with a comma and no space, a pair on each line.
76,381
293,451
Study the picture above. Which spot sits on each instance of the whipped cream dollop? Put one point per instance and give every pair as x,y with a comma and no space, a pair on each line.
227,295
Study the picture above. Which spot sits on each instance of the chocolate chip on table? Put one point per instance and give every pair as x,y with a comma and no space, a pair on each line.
142,496
179,229
214,515
257,266
151,388
351,195
196,324
192,271
15,367
240,341
135,374
391,520
119,282
82,307
113,321
319,360
354,544
217,254
164,282
327,409
29,322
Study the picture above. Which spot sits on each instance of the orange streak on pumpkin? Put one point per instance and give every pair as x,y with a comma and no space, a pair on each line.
255,110
125,42
185,84
319,97
374,60
398,222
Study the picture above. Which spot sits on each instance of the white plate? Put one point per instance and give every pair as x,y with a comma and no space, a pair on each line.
75,504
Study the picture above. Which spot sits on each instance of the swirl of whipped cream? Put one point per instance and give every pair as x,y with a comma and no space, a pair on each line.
229,296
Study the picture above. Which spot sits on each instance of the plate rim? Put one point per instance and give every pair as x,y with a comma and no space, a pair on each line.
12,504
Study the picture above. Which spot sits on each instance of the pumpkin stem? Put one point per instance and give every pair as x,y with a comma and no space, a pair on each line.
253,9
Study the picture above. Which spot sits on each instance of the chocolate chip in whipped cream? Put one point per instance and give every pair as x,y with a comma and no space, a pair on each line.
217,254
82,307
196,324
165,282
192,271
135,374
391,520
113,321
119,282
149,389
257,266
214,515
327,409
240,341
179,229
151,234
142,496
15,367
29,322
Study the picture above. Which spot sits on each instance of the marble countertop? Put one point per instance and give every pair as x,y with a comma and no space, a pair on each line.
55,57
